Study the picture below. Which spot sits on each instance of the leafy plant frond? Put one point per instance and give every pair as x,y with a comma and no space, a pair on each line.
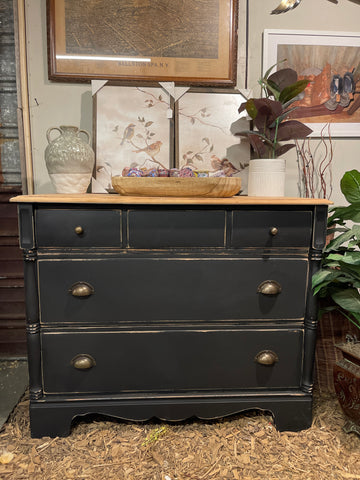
270,115
338,279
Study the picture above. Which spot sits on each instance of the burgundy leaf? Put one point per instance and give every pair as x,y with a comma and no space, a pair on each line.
242,107
283,78
268,111
282,149
292,129
258,145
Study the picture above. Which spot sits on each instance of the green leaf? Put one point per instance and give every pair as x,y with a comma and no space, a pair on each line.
334,256
350,186
352,257
339,240
352,272
251,109
267,73
356,230
334,230
272,87
321,276
340,214
330,264
348,299
293,90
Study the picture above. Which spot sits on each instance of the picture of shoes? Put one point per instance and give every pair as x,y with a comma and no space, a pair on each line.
336,90
348,89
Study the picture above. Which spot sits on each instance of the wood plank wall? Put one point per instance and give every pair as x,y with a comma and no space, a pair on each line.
12,295
12,304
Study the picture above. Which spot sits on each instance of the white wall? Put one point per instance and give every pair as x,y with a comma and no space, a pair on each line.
54,104
51,103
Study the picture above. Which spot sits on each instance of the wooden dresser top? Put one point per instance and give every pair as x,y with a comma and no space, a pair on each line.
113,199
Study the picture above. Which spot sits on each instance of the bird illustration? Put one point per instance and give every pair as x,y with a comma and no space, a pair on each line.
151,150
128,133
225,165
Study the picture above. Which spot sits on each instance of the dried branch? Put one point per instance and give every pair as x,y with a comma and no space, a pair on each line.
314,166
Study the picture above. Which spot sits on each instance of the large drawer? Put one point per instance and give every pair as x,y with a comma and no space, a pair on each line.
78,228
271,228
171,361
167,289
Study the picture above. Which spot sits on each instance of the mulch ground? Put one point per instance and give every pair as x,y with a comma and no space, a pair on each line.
241,447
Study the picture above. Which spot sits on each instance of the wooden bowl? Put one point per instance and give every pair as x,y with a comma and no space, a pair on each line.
177,186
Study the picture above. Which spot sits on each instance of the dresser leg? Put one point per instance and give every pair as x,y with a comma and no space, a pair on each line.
50,422
293,416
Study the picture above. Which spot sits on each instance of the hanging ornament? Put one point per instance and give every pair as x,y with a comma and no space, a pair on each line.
286,5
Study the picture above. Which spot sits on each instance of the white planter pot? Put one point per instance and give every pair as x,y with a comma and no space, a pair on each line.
266,177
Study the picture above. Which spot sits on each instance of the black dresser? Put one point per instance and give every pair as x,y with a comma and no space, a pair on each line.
169,307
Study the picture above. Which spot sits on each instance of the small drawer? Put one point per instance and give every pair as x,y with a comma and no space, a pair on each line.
171,361
78,228
176,228
271,229
141,290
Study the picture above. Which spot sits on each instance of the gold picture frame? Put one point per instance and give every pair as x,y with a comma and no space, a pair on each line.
185,42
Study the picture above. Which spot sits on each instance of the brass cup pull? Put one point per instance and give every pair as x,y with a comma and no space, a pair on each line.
83,361
269,287
81,289
79,230
266,357
274,231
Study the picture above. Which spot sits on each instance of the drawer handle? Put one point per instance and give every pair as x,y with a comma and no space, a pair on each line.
266,357
269,287
274,231
83,361
79,230
81,289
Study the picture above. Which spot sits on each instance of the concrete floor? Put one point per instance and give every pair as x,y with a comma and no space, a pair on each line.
13,383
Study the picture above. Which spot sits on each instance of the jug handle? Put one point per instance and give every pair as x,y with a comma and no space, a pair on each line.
48,133
87,134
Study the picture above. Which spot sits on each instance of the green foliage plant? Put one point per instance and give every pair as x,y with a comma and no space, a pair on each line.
338,280
153,436
270,115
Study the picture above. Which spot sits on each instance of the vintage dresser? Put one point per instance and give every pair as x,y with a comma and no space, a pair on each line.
169,307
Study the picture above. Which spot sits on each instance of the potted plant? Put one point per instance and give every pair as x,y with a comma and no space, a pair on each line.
269,117
337,284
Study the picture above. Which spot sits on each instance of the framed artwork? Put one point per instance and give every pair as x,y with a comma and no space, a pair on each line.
206,128
331,62
191,42
132,130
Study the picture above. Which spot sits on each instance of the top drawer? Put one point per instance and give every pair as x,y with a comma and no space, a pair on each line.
78,228
169,228
255,228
